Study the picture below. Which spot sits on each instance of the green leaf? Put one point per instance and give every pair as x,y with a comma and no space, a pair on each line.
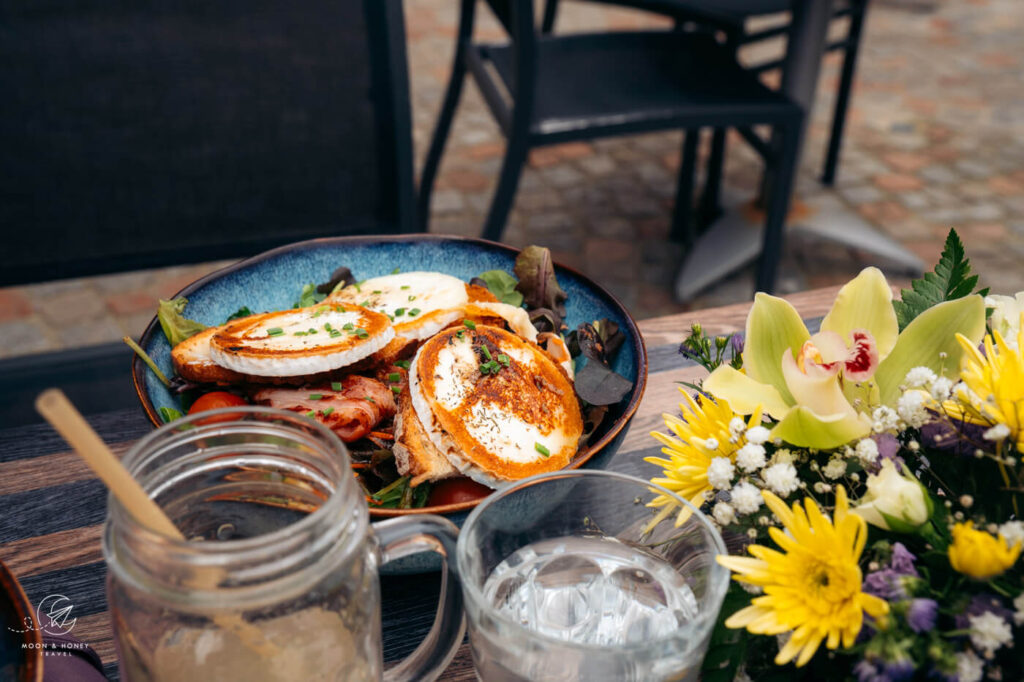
241,312
309,296
176,326
951,279
169,414
503,286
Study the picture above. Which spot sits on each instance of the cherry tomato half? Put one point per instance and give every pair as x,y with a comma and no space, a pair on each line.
213,401
455,490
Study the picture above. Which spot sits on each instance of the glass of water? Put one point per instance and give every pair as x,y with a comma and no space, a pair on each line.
571,576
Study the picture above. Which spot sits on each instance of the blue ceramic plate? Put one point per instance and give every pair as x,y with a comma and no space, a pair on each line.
273,281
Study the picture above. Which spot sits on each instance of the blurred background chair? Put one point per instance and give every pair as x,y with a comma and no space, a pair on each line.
148,134
550,89
731,18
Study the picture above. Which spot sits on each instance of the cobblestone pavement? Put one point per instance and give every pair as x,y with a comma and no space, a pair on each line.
935,139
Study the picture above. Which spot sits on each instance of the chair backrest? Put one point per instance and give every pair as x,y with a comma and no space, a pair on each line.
139,133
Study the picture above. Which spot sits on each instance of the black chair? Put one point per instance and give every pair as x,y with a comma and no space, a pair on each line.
545,89
142,134
730,17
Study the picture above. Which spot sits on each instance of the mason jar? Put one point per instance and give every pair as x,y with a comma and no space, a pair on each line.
277,578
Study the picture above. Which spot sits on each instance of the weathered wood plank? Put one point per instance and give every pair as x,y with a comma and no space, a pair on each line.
64,549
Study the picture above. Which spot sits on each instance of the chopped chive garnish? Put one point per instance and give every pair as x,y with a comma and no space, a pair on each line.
404,364
362,333
348,326
365,303
414,312
396,271
503,359
404,288
486,351
327,326
299,334
459,334
394,377
316,396
311,414
541,449
311,331
412,298
396,389
469,324
335,333
399,312
275,331
370,400
326,411
335,385
377,291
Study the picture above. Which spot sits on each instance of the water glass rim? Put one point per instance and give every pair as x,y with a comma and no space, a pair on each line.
718,584
117,513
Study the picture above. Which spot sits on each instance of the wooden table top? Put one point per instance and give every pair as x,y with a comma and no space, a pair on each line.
53,508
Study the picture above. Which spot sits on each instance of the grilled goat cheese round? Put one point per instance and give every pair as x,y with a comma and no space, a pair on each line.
497,406
319,338
419,304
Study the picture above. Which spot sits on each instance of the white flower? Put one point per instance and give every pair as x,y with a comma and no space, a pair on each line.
867,451
989,632
919,377
1018,604
894,495
911,408
720,473
1005,317
746,498
758,435
724,513
750,457
1012,532
781,478
997,432
711,444
737,426
941,388
969,668
884,418
783,456
835,468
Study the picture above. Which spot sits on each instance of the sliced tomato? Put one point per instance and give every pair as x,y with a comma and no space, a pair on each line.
216,400
455,490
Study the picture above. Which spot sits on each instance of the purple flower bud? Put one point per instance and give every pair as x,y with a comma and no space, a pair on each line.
870,671
902,560
736,342
886,583
899,670
922,614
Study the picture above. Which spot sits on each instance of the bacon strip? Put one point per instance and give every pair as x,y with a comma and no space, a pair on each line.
356,409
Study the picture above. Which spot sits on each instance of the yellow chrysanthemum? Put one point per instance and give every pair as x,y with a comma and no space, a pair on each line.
812,588
995,383
701,435
980,554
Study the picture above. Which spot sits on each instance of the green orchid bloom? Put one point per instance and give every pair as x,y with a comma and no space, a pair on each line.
822,388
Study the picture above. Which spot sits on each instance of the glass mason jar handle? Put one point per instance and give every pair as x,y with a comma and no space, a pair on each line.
407,535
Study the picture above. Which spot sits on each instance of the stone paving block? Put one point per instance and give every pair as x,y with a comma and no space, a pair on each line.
597,165
71,307
129,302
447,201
14,305
974,168
861,195
938,174
27,336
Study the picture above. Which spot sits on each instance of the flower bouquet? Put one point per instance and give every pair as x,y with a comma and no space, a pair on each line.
868,481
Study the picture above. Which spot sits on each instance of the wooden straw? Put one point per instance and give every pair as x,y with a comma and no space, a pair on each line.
69,423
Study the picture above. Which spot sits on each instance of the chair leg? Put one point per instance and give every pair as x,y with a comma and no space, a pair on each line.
682,215
835,140
550,13
779,183
710,207
504,194
444,119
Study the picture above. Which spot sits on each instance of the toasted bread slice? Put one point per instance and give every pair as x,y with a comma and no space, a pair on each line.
415,454
302,341
499,414
419,304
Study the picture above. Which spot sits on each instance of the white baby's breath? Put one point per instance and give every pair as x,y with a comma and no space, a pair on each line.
724,513
758,435
997,432
720,473
969,668
883,419
835,468
746,498
911,408
941,388
989,632
711,444
737,426
919,377
1012,532
750,457
781,478
867,451
1018,604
